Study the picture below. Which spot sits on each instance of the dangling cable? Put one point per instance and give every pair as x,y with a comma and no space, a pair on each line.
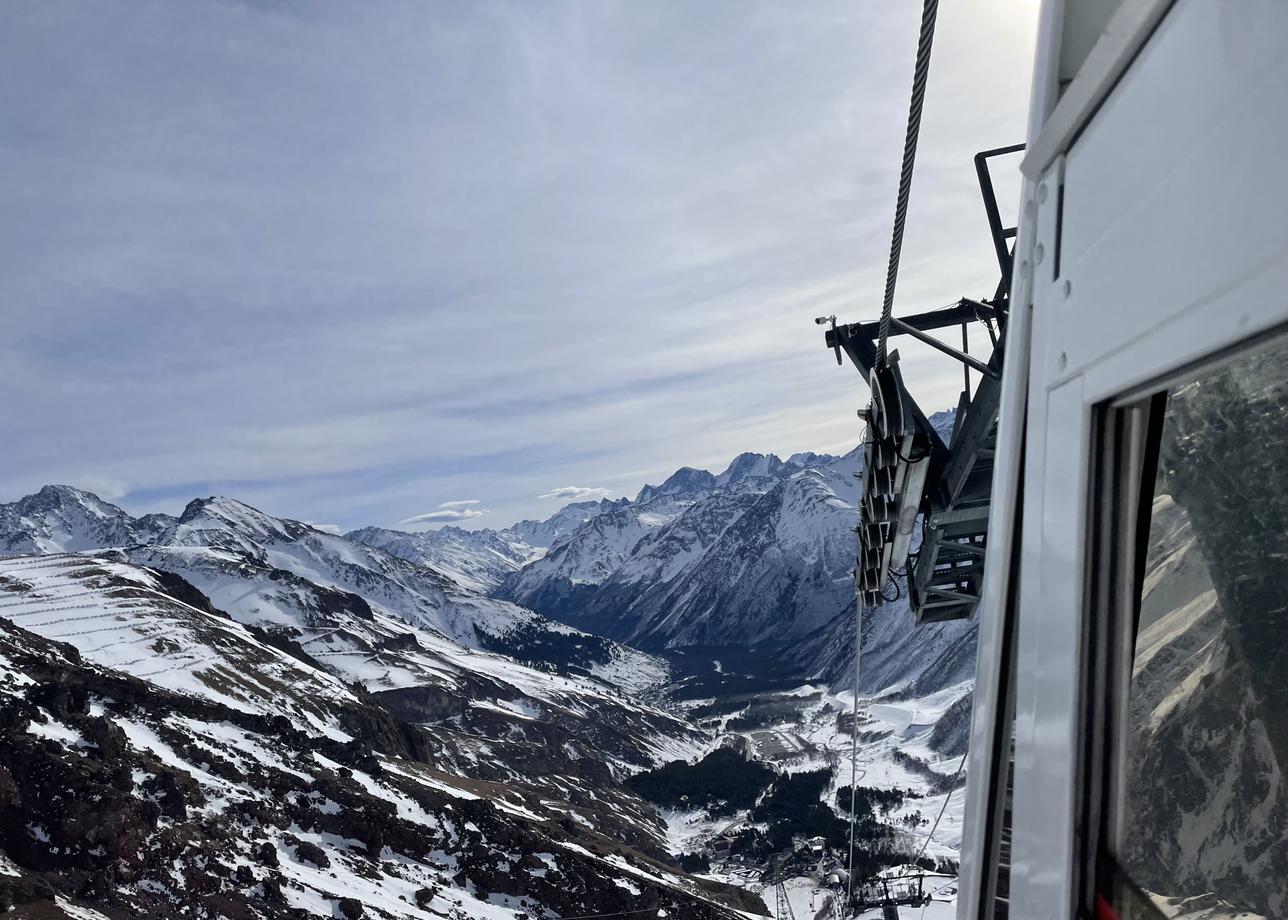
920,71
854,738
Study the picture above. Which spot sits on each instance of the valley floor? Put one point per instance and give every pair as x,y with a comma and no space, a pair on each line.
807,728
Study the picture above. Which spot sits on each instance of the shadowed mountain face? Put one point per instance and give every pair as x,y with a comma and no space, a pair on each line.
762,550
759,555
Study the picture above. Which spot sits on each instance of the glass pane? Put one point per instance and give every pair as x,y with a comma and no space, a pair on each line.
1204,819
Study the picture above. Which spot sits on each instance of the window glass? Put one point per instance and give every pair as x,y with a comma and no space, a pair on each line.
1203,818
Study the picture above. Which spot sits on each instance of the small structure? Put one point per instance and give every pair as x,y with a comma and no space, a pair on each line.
721,845
889,893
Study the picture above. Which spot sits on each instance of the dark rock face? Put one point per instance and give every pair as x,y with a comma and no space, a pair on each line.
148,804
312,853
951,734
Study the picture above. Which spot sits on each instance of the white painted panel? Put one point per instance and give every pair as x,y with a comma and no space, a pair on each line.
1047,680
1175,193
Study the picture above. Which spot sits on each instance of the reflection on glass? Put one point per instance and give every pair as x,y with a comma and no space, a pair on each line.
1203,829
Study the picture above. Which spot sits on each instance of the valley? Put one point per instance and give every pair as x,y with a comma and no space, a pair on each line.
460,723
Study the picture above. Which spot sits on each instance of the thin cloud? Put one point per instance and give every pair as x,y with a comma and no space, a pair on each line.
447,512
575,493
326,528
703,215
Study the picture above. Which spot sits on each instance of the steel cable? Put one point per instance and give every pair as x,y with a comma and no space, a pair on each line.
919,75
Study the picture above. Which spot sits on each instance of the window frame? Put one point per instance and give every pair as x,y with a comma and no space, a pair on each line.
1125,447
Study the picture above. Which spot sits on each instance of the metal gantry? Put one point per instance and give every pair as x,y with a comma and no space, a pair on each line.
889,894
915,473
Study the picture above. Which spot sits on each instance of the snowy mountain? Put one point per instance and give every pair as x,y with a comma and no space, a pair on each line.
582,578
284,575
561,581
685,479
479,560
482,559
777,571
61,518
429,650
545,534
761,554
158,759
376,670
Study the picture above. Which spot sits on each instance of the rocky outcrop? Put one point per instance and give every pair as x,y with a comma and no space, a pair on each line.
145,803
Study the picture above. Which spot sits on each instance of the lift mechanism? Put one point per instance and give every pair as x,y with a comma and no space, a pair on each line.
916,471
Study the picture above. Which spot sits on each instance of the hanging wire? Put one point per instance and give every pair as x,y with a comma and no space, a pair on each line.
919,74
943,808
854,738
897,593
921,69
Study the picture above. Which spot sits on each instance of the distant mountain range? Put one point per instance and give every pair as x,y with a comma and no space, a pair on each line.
759,554
540,720
512,669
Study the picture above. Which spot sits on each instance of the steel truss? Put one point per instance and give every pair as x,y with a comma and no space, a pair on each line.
910,472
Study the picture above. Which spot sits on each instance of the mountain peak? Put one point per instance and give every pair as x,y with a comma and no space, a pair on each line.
748,465
808,458
685,479
62,518
52,496
217,513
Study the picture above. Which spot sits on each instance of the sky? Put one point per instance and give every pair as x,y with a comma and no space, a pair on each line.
408,264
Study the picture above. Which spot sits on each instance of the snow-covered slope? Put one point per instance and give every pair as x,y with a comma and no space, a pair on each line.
159,760
482,559
684,480
285,575
560,582
777,572
476,559
535,701
545,534
129,619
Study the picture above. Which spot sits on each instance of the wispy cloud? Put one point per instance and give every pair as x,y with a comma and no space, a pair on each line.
459,505
576,493
326,528
447,512
653,201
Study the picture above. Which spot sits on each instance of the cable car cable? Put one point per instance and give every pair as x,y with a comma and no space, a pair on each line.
921,69
920,72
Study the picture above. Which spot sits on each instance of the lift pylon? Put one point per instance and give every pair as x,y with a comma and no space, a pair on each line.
913,471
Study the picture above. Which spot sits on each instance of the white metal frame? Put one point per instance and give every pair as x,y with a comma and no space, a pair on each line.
1154,234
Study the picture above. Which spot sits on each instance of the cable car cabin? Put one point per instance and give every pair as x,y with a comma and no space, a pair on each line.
1129,749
